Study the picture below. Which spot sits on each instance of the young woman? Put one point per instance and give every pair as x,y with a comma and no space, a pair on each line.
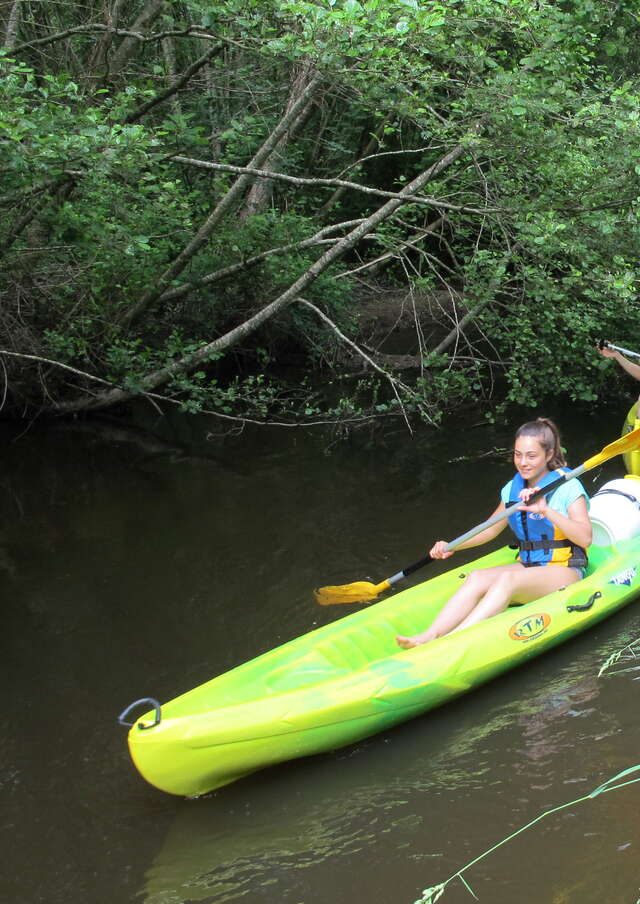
552,534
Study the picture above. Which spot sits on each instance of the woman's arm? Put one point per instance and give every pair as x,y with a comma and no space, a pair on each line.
632,369
438,551
575,525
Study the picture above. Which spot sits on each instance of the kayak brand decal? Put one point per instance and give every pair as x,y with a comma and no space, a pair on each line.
529,628
625,577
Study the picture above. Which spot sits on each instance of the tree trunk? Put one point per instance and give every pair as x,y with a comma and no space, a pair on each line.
260,193
169,53
128,46
98,62
13,25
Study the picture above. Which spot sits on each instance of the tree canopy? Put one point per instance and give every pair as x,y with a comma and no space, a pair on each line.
194,192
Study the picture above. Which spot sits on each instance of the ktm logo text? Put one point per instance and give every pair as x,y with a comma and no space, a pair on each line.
530,627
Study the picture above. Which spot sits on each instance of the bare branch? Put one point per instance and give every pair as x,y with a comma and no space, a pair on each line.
401,152
411,242
473,312
399,388
193,31
320,238
365,189
367,151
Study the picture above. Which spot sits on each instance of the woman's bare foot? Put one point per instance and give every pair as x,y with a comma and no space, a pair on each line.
408,642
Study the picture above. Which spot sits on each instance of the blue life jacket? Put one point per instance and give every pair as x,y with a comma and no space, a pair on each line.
540,542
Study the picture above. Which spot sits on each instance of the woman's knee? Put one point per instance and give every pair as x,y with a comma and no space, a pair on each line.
508,579
503,586
478,581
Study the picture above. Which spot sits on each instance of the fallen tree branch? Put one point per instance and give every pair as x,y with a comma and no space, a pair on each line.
332,183
192,31
158,397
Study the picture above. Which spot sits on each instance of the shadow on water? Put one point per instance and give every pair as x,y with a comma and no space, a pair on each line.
144,561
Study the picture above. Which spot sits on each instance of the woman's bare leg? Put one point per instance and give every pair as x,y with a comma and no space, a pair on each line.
487,592
460,606
521,586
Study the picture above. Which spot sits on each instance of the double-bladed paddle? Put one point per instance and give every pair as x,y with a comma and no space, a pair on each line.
364,591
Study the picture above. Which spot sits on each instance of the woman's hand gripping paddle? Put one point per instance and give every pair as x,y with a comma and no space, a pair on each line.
616,348
365,591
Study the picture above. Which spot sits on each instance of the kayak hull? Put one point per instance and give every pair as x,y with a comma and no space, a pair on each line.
349,680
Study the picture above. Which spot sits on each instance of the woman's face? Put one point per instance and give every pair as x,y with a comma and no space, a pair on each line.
530,459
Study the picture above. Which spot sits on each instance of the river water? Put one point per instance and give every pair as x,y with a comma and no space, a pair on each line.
141,559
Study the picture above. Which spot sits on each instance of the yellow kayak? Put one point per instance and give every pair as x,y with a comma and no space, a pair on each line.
632,459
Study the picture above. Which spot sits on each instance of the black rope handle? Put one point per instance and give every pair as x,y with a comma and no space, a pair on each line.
125,712
583,607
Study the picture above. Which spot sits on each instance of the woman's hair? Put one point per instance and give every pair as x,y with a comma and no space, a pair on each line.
547,434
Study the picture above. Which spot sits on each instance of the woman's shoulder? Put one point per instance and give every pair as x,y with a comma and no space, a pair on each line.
571,490
506,491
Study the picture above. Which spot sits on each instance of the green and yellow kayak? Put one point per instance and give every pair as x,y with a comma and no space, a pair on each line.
632,459
349,680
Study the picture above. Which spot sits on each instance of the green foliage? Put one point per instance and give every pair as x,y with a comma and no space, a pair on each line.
540,234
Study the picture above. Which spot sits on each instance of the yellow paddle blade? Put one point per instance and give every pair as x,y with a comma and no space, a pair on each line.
626,443
358,592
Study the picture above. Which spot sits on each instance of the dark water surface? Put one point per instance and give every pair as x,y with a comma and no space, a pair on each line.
144,560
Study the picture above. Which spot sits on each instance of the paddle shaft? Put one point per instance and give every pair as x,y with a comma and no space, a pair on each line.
512,509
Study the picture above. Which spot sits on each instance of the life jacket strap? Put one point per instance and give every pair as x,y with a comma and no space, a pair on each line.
529,545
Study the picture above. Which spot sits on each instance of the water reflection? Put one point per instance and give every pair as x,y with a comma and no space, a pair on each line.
305,814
